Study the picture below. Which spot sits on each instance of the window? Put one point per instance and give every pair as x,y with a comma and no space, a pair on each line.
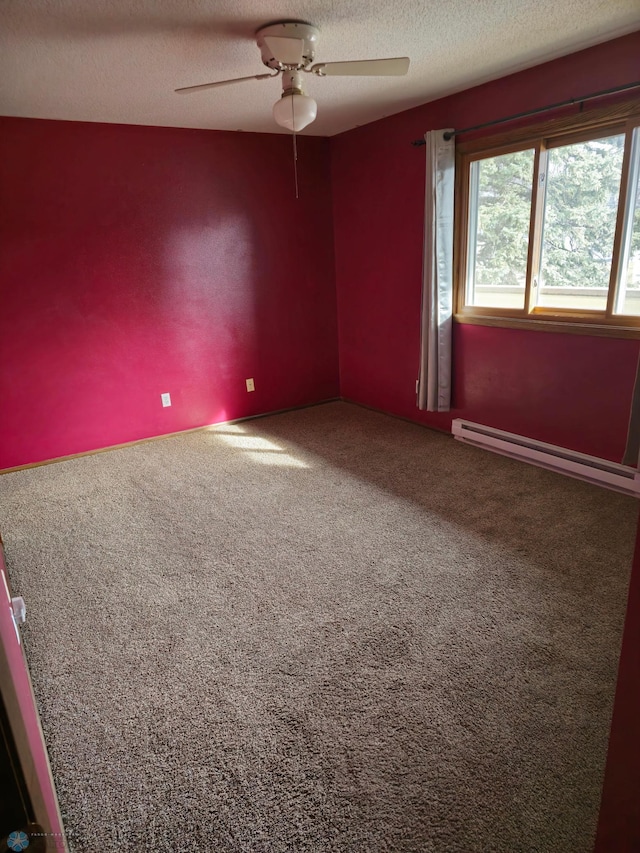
548,227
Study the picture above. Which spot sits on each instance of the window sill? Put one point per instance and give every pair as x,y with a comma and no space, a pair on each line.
573,327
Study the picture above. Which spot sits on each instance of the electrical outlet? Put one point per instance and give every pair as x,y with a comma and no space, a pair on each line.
166,399
250,385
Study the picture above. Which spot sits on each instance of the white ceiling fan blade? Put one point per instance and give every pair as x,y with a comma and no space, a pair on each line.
186,89
364,68
285,50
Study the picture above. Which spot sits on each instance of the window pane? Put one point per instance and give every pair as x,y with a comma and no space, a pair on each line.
583,185
499,213
629,288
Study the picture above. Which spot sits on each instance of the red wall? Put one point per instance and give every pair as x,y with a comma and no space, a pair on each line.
139,260
566,389
619,824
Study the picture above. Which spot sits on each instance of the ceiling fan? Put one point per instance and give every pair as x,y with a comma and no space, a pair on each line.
288,48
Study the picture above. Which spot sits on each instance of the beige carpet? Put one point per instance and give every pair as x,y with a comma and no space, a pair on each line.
327,630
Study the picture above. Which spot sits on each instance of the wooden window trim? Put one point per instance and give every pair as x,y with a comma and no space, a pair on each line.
542,136
595,329
589,120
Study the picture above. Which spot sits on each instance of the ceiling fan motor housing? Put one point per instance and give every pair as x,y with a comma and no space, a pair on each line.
289,30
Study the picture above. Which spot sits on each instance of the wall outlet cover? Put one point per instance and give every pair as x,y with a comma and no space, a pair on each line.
250,385
166,399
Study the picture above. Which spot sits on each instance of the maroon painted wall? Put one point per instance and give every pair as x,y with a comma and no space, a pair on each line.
139,260
565,389
619,824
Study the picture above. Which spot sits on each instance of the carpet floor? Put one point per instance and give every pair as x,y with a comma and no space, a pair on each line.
326,630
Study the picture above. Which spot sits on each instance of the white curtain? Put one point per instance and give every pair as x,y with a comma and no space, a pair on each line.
434,382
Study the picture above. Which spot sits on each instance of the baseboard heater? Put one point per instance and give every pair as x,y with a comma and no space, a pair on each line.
611,475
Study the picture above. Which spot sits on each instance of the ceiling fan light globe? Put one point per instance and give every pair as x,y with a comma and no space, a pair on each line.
295,111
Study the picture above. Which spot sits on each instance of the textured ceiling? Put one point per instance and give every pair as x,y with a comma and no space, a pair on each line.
119,60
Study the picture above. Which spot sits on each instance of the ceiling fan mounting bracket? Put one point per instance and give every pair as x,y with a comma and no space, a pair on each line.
307,33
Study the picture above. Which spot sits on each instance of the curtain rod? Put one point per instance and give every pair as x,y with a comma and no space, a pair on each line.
570,102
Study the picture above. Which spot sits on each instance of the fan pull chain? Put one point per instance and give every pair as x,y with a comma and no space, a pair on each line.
295,162
295,148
